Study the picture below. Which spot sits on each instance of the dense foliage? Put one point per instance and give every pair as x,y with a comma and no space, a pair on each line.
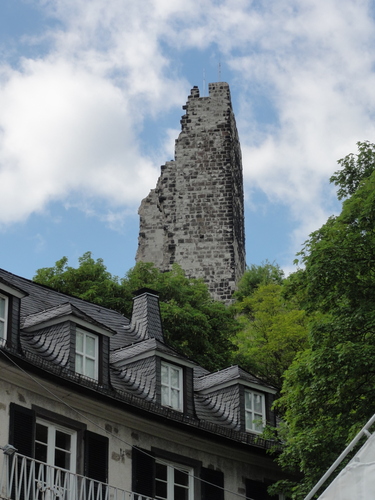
264,274
273,331
193,323
329,390
313,333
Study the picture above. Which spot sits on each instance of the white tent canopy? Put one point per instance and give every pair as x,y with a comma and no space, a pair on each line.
357,480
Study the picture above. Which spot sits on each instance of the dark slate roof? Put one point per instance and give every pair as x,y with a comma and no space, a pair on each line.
221,407
145,322
46,342
41,298
51,344
138,378
57,312
230,374
126,354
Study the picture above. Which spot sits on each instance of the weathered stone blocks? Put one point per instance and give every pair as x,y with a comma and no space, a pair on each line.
195,215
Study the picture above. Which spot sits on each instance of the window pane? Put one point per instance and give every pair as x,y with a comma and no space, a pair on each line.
62,459
161,490
2,308
181,493
164,374
79,363
175,377
249,421
79,341
161,471
165,396
62,440
258,424
181,477
90,346
90,368
41,433
248,404
41,452
2,329
175,398
258,403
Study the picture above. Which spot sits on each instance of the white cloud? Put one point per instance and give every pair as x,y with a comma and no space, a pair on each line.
65,130
317,67
70,120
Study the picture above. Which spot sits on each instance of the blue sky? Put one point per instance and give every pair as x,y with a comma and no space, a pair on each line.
91,96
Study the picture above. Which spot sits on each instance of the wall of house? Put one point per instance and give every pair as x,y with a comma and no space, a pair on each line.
195,215
125,429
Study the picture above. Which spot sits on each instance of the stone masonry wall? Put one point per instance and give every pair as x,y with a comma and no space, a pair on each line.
195,215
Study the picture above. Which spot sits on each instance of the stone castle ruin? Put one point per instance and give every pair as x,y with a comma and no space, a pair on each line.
195,215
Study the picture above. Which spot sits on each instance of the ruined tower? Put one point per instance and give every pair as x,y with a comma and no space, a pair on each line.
195,215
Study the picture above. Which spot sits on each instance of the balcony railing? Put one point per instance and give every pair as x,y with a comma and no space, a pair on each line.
24,478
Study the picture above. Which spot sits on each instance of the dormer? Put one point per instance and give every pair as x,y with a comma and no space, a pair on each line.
143,365
66,336
234,399
10,300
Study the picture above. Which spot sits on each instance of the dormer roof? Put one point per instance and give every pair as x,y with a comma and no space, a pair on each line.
227,377
134,350
63,312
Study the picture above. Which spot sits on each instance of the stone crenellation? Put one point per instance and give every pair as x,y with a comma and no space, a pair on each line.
195,215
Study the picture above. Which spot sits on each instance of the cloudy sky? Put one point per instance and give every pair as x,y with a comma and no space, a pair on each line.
91,96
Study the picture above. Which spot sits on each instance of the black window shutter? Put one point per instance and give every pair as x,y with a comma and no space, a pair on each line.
22,429
96,457
256,490
143,472
214,490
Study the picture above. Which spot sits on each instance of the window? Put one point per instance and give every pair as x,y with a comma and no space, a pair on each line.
55,445
257,490
254,411
171,386
168,476
87,354
58,441
173,481
3,317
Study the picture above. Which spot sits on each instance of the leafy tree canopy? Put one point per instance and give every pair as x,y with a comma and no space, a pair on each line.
354,169
89,281
329,390
272,333
193,323
255,275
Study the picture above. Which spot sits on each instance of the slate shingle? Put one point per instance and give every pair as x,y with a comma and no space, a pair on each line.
133,362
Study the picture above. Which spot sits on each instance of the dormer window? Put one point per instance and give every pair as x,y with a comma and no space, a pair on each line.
3,317
87,354
255,411
171,386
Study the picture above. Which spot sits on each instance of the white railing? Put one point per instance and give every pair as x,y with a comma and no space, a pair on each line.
24,478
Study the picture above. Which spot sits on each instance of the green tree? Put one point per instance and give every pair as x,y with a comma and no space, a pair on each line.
193,323
254,276
329,390
89,281
273,331
354,169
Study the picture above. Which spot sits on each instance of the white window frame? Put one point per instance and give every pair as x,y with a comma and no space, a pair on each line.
167,388
84,356
252,417
52,428
171,468
4,319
